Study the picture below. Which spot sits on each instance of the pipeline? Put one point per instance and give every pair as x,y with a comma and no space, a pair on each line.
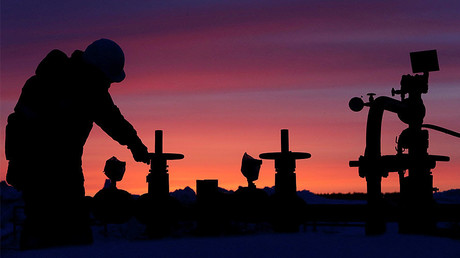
374,122
441,129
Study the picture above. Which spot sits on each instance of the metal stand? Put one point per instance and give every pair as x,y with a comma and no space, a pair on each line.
158,178
285,178
289,209
417,188
157,209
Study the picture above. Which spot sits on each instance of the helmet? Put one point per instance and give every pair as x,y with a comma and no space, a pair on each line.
106,55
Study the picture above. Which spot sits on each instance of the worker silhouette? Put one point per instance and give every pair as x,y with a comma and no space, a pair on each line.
47,131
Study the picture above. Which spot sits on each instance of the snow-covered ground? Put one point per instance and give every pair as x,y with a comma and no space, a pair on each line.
323,241
330,242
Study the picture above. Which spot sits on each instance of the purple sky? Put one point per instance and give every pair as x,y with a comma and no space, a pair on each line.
230,74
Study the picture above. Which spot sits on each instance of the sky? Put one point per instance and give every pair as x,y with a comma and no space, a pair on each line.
222,78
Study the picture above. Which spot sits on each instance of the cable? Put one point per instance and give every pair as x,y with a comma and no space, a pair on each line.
443,130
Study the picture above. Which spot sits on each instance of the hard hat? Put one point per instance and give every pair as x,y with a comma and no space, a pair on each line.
108,56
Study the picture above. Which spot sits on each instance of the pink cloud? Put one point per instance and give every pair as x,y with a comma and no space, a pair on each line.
223,78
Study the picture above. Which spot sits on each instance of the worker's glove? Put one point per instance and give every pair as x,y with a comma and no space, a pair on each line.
140,152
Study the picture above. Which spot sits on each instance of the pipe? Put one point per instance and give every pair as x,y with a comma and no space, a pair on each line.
375,223
441,129
374,122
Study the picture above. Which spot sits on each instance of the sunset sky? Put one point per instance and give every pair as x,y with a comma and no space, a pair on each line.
223,77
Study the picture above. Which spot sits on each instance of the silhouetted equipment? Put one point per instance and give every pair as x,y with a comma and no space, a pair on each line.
250,168
207,189
158,178
287,208
424,61
250,203
441,129
285,180
114,170
213,208
112,205
417,187
157,209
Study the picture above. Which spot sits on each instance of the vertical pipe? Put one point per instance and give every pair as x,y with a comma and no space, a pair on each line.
375,221
284,141
158,141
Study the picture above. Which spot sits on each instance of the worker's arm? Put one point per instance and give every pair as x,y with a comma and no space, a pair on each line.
110,119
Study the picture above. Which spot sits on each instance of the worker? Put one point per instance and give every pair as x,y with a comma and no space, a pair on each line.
46,133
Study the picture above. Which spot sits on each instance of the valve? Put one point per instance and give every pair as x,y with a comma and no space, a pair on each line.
158,178
371,97
285,179
395,92
356,104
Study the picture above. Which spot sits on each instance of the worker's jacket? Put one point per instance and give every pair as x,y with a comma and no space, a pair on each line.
55,113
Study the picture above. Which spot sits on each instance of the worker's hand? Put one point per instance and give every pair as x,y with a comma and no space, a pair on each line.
140,153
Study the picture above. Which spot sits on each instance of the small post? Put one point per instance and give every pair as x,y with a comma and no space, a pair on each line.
158,141
284,141
158,178
285,179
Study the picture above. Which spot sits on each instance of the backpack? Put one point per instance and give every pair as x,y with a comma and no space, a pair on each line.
19,145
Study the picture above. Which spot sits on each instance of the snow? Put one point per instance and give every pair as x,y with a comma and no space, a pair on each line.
322,241
345,242
448,197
